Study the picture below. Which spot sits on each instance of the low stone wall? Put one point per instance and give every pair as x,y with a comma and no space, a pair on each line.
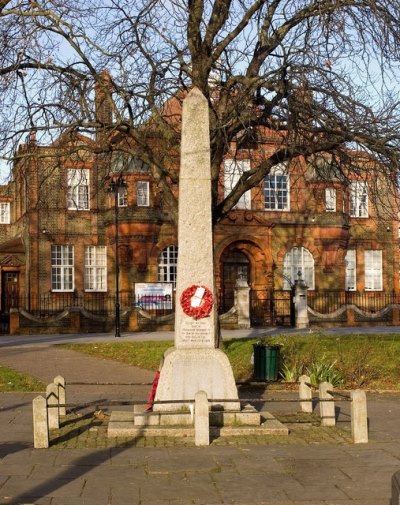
351,315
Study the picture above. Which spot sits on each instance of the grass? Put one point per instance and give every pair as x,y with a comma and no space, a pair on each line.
363,361
12,381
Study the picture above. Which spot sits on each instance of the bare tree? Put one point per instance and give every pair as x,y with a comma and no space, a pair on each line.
313,76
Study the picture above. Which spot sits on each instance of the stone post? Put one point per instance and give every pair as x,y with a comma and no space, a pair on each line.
195,364
326,409
61,392
305,394
201,419
301,304
242,301
52,406
40,423
359,418
395,489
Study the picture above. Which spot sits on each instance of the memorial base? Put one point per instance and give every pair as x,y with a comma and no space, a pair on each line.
187,371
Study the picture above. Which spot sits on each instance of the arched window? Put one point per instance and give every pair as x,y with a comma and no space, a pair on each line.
167,263
298,259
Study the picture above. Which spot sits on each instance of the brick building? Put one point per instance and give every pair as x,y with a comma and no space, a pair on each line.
57,230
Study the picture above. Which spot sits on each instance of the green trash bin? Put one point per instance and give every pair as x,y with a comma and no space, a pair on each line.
266,362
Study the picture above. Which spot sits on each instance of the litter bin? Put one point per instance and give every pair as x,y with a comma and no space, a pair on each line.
266,362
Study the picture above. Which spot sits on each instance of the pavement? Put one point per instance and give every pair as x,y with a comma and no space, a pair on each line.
312,466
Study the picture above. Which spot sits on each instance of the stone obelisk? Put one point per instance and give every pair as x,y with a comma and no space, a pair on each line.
195,364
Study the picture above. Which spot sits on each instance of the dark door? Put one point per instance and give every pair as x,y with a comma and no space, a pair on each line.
235,265
9,291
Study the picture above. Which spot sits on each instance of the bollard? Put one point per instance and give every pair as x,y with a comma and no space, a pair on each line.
201,419
40,423
305,394
326,409
62,396
52,406
359,418
395,489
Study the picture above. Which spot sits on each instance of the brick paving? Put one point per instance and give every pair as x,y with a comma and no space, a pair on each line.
312,466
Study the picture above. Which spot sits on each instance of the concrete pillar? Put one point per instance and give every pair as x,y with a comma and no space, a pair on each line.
201,419
52,404
242,301
305,394
14,321
40,423
301,304
62,397
327,409
359,418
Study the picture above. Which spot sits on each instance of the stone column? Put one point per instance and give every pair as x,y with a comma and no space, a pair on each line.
40,423
195,364
359,418
305,394
300,300
326,409
242,301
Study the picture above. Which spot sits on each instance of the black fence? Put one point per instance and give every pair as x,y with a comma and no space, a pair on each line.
271,308
103,304
327,302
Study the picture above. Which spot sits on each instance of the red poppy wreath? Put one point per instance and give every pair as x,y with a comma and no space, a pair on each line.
197,301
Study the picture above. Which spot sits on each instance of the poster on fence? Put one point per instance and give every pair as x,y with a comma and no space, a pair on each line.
154,295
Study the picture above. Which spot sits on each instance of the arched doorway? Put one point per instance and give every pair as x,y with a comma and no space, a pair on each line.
235,265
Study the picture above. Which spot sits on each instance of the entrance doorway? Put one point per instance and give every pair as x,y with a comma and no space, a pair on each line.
235,265
9,291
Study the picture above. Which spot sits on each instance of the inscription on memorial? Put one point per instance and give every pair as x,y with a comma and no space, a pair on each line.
196,333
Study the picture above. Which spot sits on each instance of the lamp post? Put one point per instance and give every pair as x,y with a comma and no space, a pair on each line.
116,186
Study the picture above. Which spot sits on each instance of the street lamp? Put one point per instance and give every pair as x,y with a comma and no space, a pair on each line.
116,187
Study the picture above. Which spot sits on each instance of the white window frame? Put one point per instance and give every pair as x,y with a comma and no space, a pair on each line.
330,199
143,193
350,262
295,260
78,195
122,196
373,278
233,170
359,199
5,213
96,268
168,264
276,189
62,268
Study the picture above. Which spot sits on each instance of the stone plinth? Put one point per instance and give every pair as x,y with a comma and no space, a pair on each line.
187,371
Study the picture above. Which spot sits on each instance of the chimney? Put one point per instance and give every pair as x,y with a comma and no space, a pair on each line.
103,100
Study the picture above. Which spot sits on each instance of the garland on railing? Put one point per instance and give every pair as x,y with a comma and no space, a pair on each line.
204,309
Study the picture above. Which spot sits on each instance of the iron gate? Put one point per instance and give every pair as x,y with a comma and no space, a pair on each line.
272,308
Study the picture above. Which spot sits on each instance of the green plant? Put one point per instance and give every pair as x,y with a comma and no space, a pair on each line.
321,371
290,373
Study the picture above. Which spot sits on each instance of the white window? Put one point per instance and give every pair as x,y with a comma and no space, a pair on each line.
167,264
96,268
359,199
373,270
233,170
122,197
78,189
330,199
142,194
62,268
298,259
4,212
276,189
350,262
